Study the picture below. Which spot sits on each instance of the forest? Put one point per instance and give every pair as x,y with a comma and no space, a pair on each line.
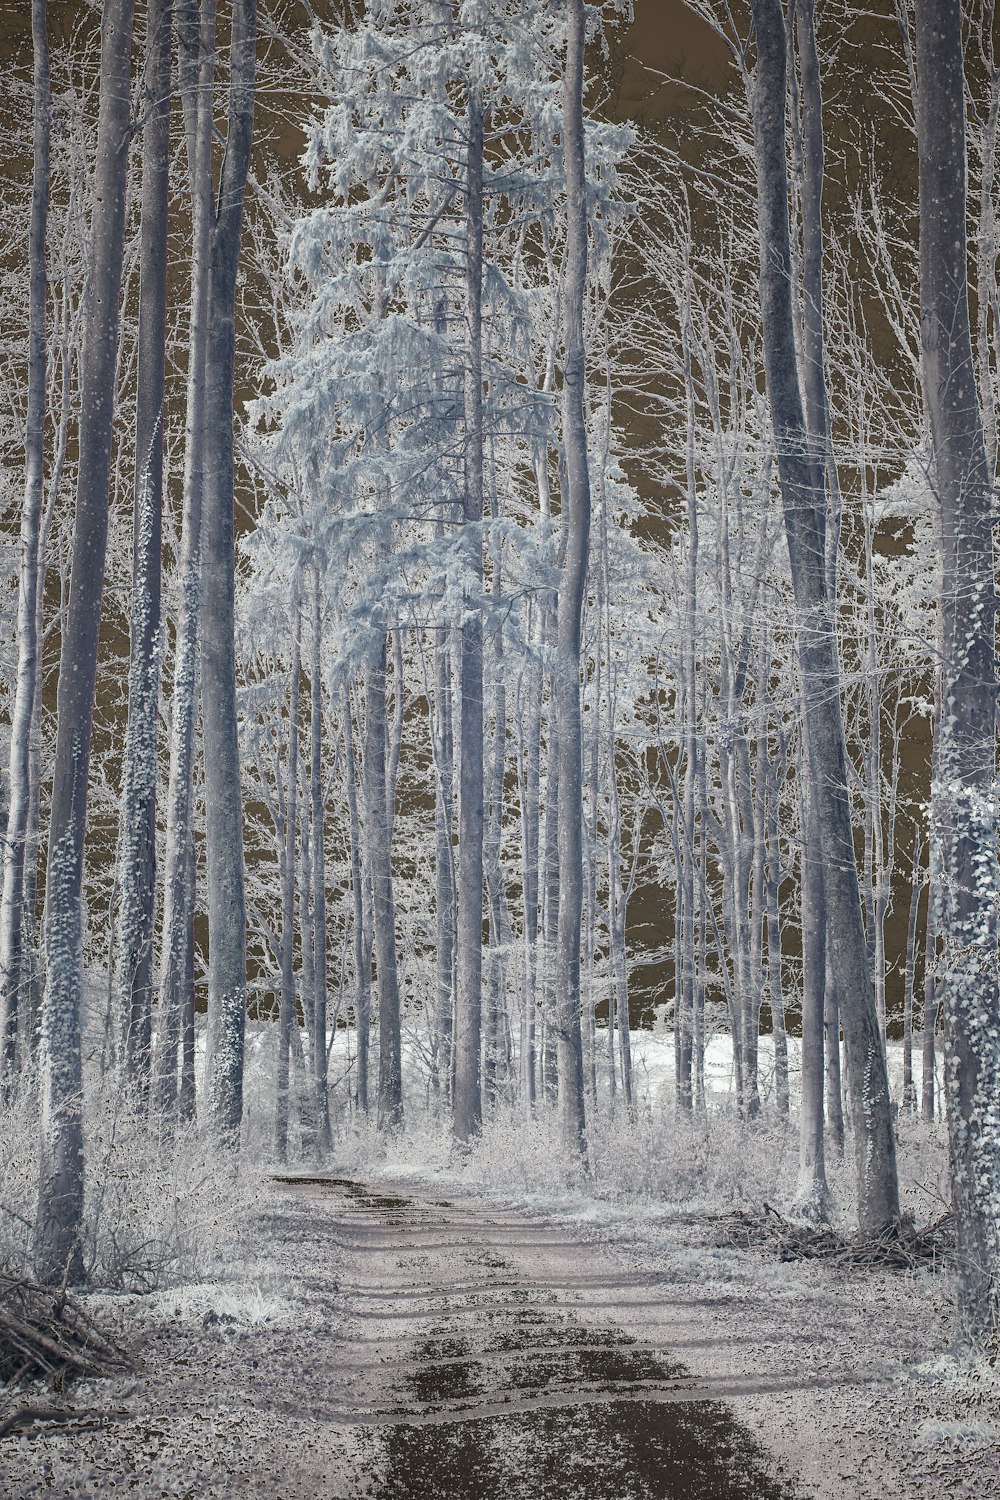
498,618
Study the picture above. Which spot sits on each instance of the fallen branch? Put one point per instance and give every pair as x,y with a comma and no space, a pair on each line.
900,1247
79,1419
46,1334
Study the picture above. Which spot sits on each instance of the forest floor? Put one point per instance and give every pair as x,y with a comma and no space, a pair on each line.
396,1344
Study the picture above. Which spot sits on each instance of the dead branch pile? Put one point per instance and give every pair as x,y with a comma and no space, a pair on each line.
46,1335
900,1247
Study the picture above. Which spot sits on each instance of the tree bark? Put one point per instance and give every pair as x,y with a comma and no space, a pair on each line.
444,867
136,875
223,802
811,1194
61,1164
196,62
804,512
467,1112
572,597
286,1014
390,1075
28,636
964,823
361,906
318,872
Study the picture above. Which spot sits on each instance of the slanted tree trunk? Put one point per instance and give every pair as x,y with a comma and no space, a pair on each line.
196,61
467,1113
804,511
28,641
136,875
964,822
572,596
223,802
60,1198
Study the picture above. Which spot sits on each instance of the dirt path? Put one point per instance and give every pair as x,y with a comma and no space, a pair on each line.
400,1347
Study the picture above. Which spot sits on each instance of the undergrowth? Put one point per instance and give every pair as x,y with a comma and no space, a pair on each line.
161,1206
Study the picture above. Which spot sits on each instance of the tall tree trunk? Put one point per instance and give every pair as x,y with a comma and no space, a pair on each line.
136,880
12,910
361,924
804,511
318,872
928,1050
811,1195
687,874
444,866
826,484
60,1199
495,1043
286,1015
468,1105
223,802
964,823
550,921
390,1076
196,55
775,986
572,596
916,885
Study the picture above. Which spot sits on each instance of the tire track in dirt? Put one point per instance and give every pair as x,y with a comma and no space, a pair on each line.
476,1361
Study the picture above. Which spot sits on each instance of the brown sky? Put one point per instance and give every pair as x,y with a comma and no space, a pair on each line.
665,37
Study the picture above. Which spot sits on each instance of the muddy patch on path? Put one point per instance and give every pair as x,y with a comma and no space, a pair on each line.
560,1440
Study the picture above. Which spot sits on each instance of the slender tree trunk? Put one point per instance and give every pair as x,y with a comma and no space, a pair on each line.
286,1016
775,985
572,596
196,51
550,915
928,1051
390,1077
361,924
15,851
811,1195
835,1124
223,802
468,1105
826,486
909,1095
444,862
964,822
60,1200
304,907
687,875
493,866
318,873
530,723
136,880
804,510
